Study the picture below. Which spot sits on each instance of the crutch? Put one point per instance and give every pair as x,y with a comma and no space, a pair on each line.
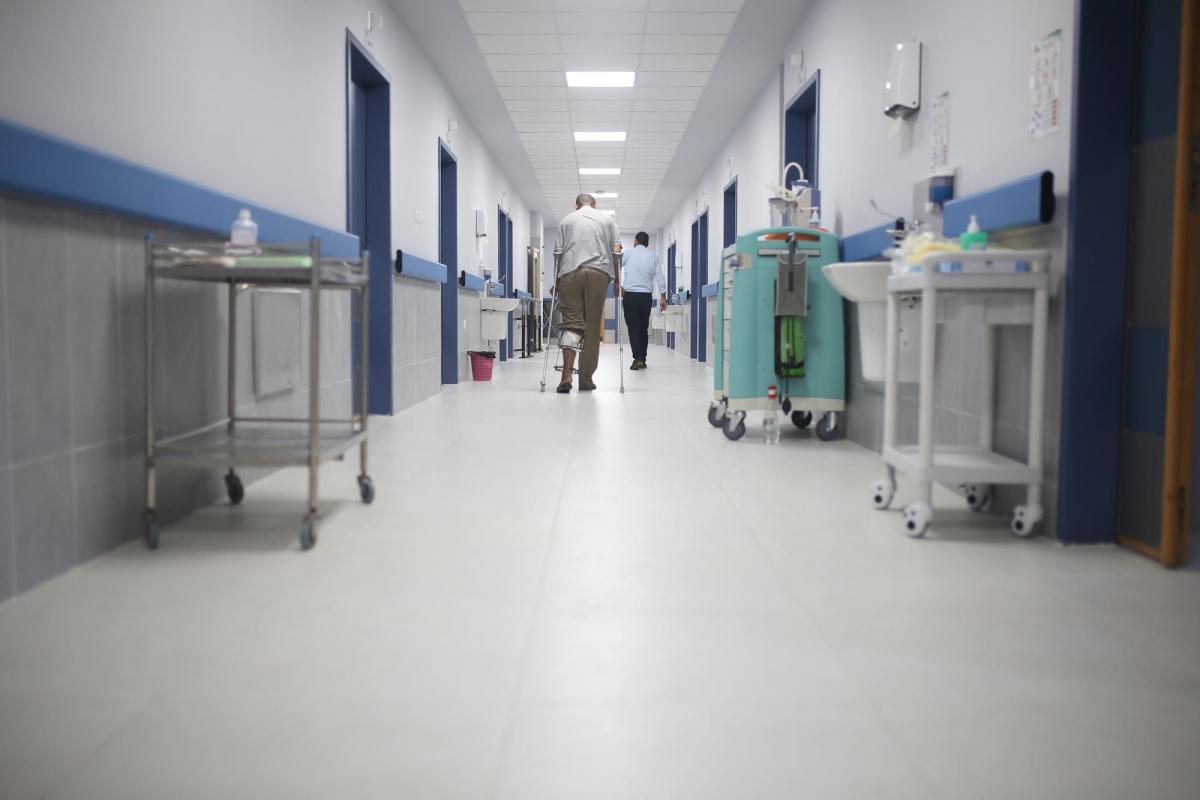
550,322
620,342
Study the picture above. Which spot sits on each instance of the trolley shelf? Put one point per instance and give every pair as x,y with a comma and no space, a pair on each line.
278,266
955,465
258,445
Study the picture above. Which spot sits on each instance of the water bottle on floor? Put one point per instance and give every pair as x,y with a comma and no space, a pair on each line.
770,424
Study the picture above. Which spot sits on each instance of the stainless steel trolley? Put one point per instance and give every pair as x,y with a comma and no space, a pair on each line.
253,441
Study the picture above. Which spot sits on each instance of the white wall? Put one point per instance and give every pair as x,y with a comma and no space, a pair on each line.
754,148
978,51
247,98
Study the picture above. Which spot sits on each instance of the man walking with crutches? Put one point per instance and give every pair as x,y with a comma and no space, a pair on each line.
585,246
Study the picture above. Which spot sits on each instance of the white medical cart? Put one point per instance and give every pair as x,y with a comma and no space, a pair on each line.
258,441
986,299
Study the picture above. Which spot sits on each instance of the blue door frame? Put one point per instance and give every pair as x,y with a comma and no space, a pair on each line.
1094,317
802,129
504,271
448,255
672,282
699,304
369,211
729,214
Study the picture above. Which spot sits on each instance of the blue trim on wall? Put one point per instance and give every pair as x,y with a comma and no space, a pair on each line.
45,166
1097,250
469,280
869,244
422,269
710,289
1018,204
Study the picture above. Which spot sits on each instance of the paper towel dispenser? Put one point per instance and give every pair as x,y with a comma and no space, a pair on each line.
902,89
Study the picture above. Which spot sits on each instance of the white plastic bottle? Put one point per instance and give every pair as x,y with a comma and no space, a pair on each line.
244,231
770,423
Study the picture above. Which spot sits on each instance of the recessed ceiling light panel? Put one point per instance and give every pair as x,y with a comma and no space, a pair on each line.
599,136
600,80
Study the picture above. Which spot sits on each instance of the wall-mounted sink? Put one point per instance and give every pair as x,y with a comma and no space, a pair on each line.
860,281
499,304
865,283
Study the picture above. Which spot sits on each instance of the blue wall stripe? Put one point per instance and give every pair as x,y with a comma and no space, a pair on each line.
45,166
411,266
1146,380
1019,204
471,281
868,244
710,289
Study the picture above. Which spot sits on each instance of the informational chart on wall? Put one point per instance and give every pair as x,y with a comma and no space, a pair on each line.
941,133
1045,86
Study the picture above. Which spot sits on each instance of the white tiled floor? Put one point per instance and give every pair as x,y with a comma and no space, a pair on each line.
597,596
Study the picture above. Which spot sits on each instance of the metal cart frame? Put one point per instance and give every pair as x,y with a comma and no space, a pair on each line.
990,300
253,441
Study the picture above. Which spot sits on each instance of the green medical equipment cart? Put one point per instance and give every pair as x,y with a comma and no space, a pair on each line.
779,323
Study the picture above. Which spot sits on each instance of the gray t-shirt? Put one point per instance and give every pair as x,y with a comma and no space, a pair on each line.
585,239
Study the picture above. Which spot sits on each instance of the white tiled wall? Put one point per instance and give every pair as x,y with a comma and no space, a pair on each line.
72,379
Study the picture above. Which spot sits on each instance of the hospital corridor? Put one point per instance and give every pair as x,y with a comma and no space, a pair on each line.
599,399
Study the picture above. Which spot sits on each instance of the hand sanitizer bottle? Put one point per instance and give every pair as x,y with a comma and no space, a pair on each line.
244,231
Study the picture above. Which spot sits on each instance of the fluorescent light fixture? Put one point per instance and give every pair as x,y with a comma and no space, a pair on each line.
599,136
599,80
599,170
605,195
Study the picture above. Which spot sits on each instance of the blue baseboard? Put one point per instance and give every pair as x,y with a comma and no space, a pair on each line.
1018,204
411,266
867,245
471,281
45,166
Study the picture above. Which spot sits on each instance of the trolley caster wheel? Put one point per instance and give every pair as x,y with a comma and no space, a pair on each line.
802,419
979,498
882,494
734,431
716,415
827,428
366,488
234,488
917,517
1026,521
152,532
308,533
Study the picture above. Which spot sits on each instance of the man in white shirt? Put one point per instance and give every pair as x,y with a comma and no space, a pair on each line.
643,279
585,245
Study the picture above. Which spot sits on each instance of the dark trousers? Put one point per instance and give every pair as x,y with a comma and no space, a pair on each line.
637,307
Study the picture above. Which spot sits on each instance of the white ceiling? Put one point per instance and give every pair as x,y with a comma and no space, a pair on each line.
672,46
700,64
